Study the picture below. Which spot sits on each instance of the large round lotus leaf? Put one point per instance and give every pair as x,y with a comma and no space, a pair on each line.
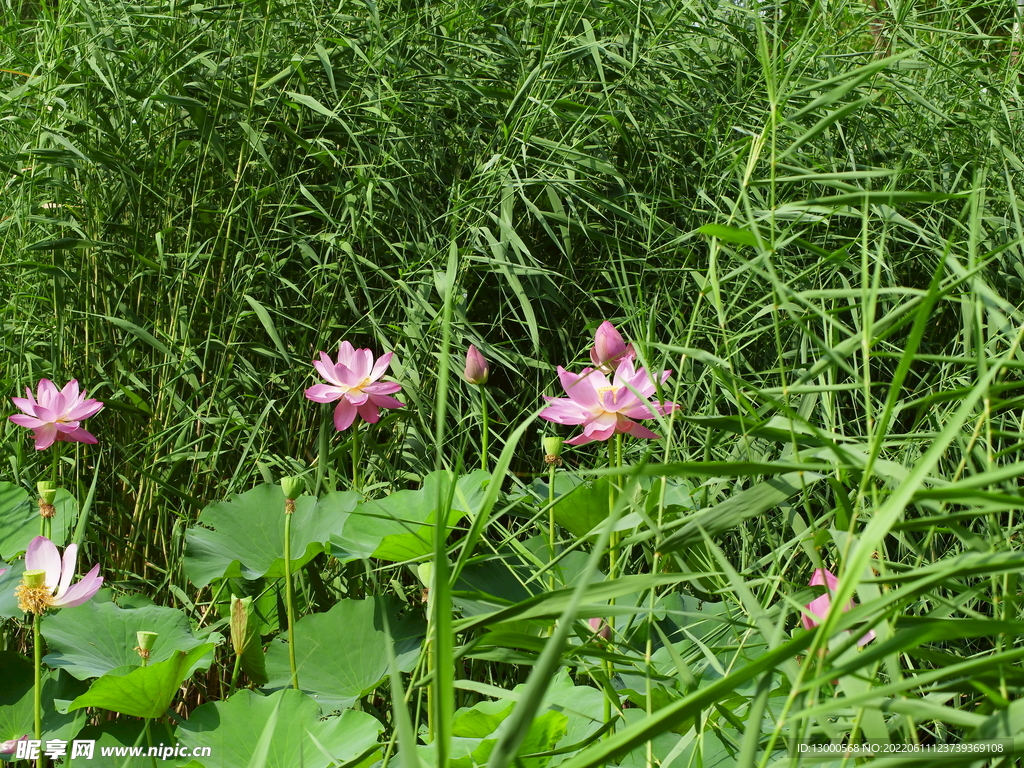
9,581
475,731
19,519
112,637
16,710
580,509
400,526
283,730
144,691
342,654
244,537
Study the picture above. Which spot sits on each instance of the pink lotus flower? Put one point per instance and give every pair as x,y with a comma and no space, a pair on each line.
56,414
609,348
605,409
476,367
56,589
353,382
820,606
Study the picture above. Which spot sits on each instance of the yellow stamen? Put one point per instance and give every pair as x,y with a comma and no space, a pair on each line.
34,599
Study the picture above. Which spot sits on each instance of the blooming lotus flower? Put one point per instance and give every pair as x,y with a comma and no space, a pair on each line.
476,367
353,383
819,607
605,408
47,579
10,746
609,348
56,414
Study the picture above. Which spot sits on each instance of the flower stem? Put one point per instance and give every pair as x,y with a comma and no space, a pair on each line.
551,523
37,693
484,430
289,594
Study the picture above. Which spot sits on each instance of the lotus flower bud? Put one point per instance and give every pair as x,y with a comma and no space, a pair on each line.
477,371
240,610
600,628
609,348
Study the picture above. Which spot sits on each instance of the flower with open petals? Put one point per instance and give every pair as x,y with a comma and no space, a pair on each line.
47,579
476,367
819,607
54,414
605,408
609,348
353,382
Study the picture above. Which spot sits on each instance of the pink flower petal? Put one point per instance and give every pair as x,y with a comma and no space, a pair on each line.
84,410
41,555
26,421
25,404
70,392
344,415
639,430
564,411
324,393
325,367
382,388
381,366
45,436
356,397
345,353
67,571
83,590
383,401
369,412
78,435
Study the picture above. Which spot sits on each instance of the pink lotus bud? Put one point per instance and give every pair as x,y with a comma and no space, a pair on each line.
476,367
10,746
819,607
600,628
609,348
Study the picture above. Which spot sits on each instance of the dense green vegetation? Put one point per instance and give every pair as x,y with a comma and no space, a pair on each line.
809,212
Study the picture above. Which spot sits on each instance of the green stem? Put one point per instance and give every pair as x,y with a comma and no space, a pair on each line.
289,594
484,430
234,673
614,460
551,520
37,693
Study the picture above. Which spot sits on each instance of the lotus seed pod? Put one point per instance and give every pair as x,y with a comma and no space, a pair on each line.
293,487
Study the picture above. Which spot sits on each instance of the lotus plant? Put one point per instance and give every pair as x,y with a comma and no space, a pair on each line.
353,381
606,408
56,415
818,608
477,373
47,584
609,348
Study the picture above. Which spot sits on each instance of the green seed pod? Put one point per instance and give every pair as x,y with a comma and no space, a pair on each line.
293,487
